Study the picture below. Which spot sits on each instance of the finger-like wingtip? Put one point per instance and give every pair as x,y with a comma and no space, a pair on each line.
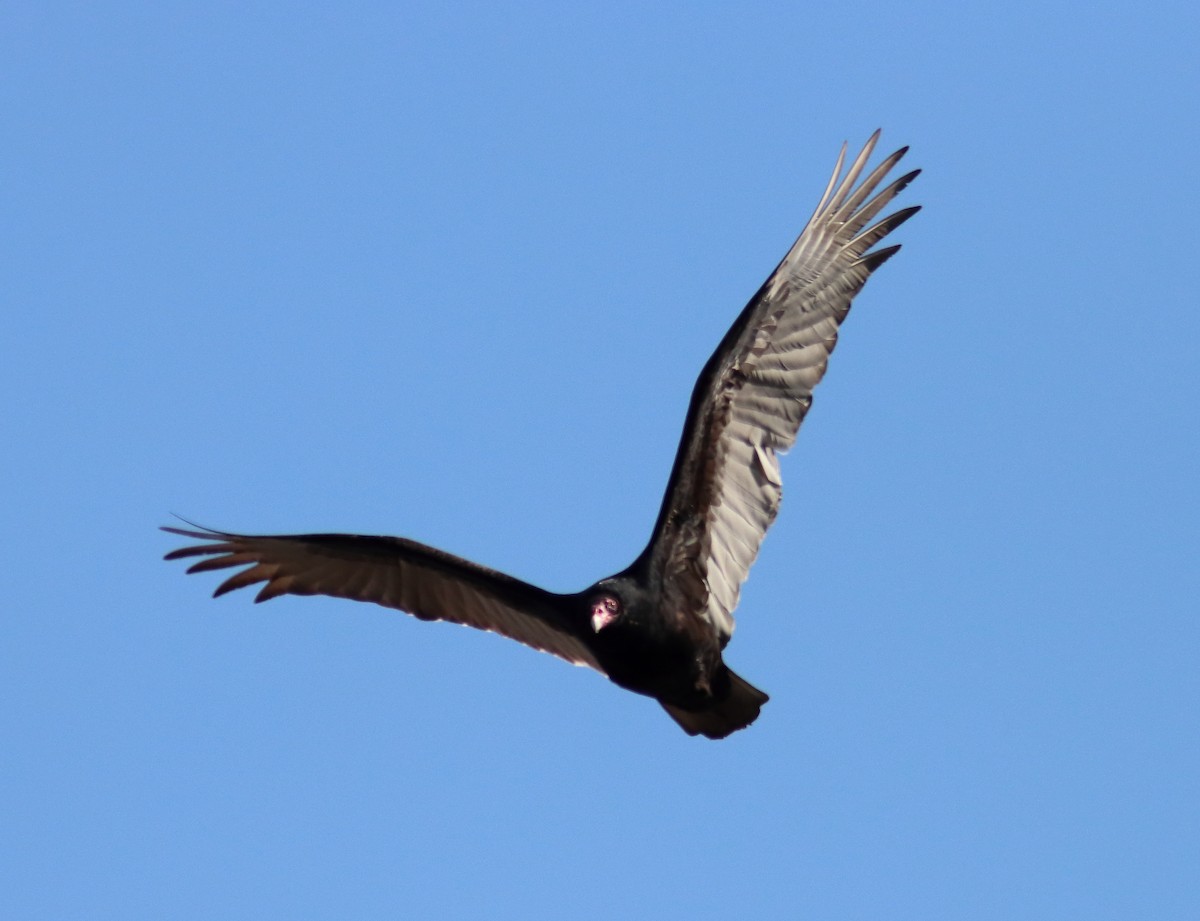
193,532
196,530
874,260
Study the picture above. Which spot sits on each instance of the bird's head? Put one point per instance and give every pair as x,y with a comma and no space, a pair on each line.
605,609
614,601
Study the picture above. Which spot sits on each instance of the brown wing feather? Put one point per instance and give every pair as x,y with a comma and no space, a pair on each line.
396,573
753,394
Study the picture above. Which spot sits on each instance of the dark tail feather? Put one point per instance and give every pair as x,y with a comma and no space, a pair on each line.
736,711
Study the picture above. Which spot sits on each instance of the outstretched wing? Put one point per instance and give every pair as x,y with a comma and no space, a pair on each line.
395,573
753,394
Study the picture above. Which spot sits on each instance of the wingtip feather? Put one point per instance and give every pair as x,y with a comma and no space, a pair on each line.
874,260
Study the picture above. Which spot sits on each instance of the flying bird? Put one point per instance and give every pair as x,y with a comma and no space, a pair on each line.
660,626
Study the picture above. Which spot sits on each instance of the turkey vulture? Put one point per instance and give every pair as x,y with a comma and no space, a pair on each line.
658,627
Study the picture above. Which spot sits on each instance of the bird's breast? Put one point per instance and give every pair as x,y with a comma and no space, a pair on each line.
668,664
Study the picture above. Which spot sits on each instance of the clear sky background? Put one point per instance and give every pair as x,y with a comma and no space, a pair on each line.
449,271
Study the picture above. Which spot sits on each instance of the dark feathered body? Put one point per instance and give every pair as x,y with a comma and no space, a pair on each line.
652,650
660,627
671,657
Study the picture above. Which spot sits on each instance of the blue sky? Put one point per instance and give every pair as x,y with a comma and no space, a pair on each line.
449,271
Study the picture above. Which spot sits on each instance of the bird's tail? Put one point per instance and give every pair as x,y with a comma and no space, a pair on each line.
735,711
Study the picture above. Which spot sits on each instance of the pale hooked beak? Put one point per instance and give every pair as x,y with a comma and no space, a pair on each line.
604,612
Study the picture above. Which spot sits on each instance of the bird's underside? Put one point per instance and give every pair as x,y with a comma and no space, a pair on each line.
658,627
